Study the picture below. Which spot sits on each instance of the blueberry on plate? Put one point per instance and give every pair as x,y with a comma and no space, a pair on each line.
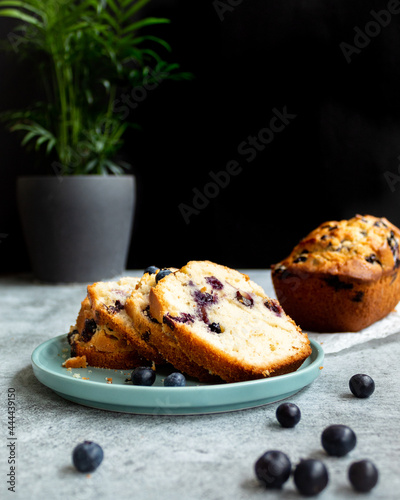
310,477
338,440
161,274
361,385
151,270
175,379
143,375
363,475
87,456
273,468
288,414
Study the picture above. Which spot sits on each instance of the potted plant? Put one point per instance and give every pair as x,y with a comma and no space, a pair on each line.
77,210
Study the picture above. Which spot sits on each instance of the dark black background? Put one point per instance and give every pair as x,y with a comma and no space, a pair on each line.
330,162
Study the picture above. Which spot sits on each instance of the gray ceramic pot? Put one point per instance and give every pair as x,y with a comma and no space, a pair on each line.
77,228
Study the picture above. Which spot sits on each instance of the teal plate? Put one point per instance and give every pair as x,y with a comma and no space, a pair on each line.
89,386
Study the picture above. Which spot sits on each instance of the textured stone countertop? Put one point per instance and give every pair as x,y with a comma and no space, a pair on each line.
181,457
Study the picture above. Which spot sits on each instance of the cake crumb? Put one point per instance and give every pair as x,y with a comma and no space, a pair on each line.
76,375
85,378
76,362
109,380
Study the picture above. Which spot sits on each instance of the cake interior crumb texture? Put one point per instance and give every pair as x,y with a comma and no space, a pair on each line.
219,315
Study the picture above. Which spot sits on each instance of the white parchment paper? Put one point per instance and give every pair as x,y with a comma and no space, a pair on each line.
335,342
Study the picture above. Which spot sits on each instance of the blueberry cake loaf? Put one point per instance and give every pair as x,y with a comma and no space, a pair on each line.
138,308
223,321
107,300
343,276
101,347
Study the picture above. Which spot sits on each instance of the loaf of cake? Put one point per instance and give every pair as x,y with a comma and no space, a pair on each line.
101,347
341,277
225,323
107,300
138,308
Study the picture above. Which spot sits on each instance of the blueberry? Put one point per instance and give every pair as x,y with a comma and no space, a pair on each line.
161,274
87,456
143,375
245,299
215,327
214,282
361,385
338,440
310,477
363,475
151,270
288,414
273,468
175,379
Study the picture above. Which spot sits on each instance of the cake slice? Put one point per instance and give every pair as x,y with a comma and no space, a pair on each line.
137,306
225,322
101,347
107,300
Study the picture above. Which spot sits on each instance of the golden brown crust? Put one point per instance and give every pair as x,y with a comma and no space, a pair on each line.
120,322
227,368
363,248
118,360
103,347
341,279
79,361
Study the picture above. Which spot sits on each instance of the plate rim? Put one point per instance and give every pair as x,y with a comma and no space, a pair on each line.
308,373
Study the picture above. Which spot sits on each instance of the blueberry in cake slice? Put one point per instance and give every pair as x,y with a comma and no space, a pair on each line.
225,322
100,346
137,306
107,300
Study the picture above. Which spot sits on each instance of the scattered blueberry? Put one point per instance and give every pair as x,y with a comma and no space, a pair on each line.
151,270
161,274
273,468
338,440
87,456
361,385
143,375
363,475
310,477
288,414
175,379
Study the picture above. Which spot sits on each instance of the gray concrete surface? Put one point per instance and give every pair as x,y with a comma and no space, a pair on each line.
181,457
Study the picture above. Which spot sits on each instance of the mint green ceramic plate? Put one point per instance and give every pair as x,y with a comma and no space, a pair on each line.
89,386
